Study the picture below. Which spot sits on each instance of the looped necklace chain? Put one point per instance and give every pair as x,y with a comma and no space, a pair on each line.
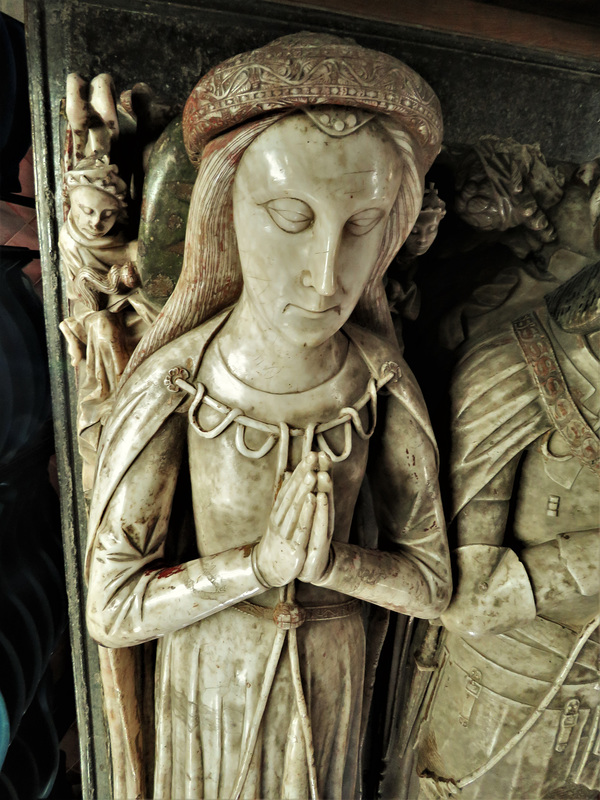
348,417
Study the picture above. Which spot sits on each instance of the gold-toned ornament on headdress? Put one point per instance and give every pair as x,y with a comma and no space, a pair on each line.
311,69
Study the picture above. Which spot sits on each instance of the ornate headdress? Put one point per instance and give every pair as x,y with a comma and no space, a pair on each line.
310,69
96,172
433,202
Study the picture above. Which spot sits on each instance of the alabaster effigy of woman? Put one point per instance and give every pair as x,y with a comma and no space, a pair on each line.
267,479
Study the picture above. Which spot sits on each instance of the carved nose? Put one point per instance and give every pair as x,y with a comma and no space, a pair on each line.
321,274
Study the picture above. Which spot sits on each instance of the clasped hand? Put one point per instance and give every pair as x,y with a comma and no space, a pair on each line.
298,539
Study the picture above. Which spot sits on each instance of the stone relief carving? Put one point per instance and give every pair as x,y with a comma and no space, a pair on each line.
266,478
513,710
403,293
108,313
265,468
544,218
502,700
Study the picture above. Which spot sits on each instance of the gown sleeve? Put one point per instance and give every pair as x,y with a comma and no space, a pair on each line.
410,571
131,598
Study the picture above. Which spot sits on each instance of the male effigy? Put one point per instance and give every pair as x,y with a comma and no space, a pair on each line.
513,708
247,436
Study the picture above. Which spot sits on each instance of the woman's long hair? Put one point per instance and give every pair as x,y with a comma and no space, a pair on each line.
211,278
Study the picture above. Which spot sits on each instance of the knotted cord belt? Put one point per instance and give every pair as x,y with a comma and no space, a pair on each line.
288,616
292,615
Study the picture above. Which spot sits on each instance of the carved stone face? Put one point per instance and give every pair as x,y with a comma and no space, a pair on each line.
310,211
423,234
94,212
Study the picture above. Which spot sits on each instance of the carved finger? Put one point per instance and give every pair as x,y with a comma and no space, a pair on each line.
104,125
282,494
317,556
290,520
304,527
77,106
77,111
102,101
324,482
287,493
324,462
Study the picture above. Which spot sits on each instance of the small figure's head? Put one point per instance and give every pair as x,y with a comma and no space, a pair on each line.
426,227
97,196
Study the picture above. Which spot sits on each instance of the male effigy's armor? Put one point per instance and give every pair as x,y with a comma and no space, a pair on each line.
513,711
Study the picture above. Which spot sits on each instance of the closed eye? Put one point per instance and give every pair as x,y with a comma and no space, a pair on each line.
364,221
290,214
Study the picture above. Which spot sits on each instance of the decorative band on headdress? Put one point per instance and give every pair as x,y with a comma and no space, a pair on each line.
310,69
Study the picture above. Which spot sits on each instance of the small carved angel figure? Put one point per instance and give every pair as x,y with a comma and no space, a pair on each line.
107,313
96,257
426,227
402,291
255,403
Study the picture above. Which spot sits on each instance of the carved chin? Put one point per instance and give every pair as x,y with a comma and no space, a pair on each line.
311,327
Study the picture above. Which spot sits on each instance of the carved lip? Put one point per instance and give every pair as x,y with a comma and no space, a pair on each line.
312,313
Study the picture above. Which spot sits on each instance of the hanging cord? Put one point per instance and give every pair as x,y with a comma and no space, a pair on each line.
545,702
287,616
303,712
265,691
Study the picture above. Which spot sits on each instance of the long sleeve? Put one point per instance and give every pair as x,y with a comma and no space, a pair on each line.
132,600
410,571
500,588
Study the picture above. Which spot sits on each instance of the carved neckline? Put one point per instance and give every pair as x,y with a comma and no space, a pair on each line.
177,379
226,374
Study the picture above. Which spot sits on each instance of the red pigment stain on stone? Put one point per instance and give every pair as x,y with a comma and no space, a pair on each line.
166,573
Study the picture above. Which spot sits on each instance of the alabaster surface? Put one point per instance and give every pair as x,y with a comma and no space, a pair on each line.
265,485
260,465
513,707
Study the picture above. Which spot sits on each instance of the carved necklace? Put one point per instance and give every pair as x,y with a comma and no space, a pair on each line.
177,379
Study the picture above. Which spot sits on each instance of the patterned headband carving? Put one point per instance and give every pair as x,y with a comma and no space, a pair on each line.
309,69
